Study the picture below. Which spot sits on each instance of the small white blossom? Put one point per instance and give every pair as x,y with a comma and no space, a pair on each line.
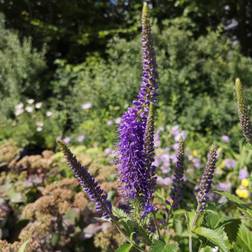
19,111
39,124
66,140
118,120
49,113
39,129
19,106
80,138
30,101
86,105
29,109
109,122
38,105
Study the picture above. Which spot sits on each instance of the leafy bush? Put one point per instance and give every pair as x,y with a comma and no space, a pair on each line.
196,79
21,69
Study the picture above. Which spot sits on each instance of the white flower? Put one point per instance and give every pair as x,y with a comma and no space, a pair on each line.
19,106
109,122
39,124
38,105
80,138
118,120
29,109
39,129
30,101
49,113
66,140
86,105
19,111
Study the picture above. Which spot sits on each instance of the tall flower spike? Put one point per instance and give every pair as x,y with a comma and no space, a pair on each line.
245,122
148,87
206,179
136,172
88,183
177,180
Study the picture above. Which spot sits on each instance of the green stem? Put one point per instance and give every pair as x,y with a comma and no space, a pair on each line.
156,225
127,239
191,226
190,242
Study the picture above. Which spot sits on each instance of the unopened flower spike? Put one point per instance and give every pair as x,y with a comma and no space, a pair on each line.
245,122
149,153
88,183
177,180
206,179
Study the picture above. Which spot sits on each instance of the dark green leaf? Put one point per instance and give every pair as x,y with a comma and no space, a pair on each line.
231,228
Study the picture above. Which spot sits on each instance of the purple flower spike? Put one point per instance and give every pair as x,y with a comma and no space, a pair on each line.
136,130
88,183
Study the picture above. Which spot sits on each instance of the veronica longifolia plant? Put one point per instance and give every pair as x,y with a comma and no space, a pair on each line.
141,224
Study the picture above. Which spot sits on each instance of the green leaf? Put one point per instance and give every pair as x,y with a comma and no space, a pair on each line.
244,239
206,249
119,213
231,227
23,246
217,237
212,219
160,246
126,247
235,199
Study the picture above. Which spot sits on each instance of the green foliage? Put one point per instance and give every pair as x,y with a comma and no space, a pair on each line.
162,247
21,69
217,237
126,247
194,77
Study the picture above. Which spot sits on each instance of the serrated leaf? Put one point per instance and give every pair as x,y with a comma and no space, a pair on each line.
126,247
212,219
23,246
119,213
244,239
231,227
234,199
217,237
160,246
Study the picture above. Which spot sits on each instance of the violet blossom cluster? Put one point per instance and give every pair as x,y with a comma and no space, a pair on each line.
88,183
136,131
